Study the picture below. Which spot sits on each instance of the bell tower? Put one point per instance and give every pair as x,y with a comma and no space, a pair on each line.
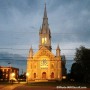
44,33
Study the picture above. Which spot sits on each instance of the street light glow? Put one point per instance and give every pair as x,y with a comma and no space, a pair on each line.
13,74
64,77
27,74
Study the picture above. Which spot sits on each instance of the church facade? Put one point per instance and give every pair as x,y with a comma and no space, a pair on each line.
44,65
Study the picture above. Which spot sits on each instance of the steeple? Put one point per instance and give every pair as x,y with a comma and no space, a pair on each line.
31,52
58,51
45,25
45,12
44,33
58,46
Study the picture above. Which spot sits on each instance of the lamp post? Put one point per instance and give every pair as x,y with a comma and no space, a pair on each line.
27,74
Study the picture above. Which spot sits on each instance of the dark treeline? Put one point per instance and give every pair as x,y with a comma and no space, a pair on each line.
80,70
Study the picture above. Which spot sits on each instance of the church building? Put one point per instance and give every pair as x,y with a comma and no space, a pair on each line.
44,65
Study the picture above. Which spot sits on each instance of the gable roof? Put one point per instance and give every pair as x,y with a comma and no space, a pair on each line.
43,52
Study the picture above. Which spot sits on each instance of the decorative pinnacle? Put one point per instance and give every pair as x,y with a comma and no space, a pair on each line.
58,46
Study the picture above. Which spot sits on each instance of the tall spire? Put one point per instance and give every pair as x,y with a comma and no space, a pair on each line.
45,20
44,33
45,12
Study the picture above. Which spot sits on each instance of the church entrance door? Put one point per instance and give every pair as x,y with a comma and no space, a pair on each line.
44,75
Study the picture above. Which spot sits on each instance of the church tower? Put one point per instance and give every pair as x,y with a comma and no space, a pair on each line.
44,33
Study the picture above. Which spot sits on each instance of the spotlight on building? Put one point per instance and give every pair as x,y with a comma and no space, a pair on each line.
27,75
12,77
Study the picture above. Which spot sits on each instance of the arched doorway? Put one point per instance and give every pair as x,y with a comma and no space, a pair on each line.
44,75
52,75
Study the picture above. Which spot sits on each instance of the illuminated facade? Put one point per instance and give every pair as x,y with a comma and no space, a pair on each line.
6,71
44,65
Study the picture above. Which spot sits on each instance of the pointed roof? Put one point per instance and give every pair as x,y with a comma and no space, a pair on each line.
43,52
31,49
45,12
45,25
58,46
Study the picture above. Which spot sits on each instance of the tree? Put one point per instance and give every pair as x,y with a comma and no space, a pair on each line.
79,54
77,72
81,67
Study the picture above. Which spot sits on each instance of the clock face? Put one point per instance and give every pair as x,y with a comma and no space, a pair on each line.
44,63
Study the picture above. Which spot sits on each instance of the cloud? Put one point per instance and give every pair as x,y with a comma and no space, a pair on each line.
20,21
72,23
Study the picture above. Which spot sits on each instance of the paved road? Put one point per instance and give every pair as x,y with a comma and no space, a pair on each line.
1,86
44,88
34,88
25,87
9,87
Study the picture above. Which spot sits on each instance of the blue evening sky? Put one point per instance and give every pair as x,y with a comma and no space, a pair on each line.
20,21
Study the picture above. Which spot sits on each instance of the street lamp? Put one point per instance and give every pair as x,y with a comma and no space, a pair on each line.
64,77
27,74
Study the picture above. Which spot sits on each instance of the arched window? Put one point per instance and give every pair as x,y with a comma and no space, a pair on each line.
35,66
52,65
34,75
52,75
